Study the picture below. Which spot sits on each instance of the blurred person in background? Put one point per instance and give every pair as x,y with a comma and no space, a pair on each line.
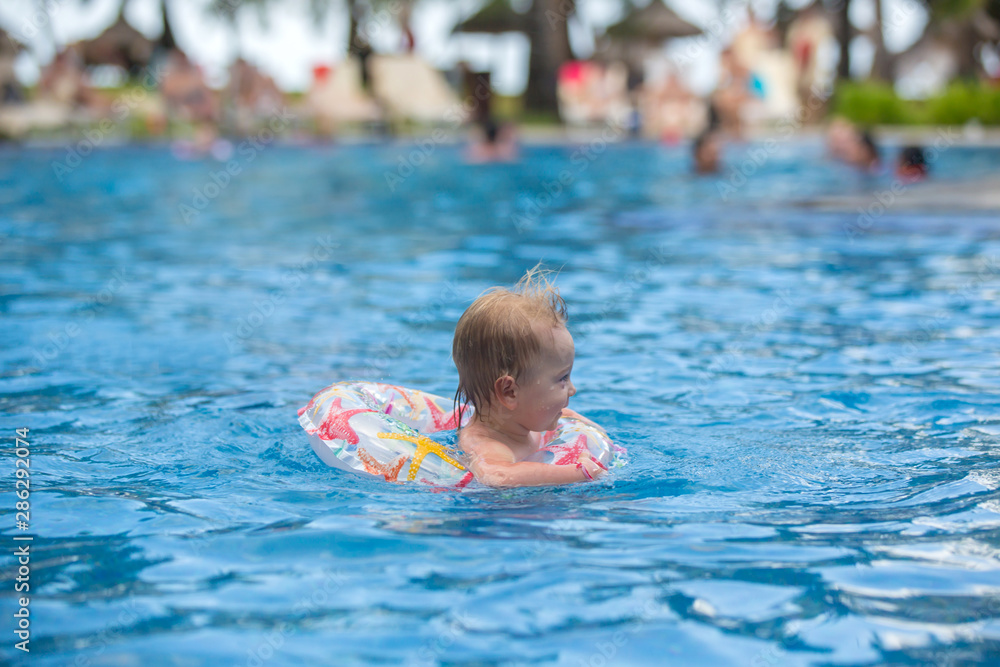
839,138
64,82
912,165
808,34
846,143
495,144
252,95
732,94
705,152
674,113
189,101
188,97
866,156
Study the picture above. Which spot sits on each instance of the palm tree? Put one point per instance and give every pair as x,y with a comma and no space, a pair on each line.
166,40
545,24
548,36
845,33
883,66
966,24
360,13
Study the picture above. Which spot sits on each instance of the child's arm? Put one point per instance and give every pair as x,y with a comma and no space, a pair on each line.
493,465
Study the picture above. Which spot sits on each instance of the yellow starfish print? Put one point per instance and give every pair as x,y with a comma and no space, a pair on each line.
424,447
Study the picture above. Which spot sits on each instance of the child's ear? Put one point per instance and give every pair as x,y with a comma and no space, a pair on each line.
505,389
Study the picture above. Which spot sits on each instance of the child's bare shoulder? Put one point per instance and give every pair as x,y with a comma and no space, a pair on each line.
481,446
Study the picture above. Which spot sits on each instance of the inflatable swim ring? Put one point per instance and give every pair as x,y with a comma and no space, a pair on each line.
383,430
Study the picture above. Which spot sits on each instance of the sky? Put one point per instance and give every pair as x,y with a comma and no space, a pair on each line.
291,44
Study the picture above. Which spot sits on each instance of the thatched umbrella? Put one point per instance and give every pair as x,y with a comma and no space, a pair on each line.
653,24
121,45
496,17
641,31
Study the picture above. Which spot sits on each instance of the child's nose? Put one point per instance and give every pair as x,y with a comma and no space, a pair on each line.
572,388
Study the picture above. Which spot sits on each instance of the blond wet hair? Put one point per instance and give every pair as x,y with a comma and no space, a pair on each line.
498,335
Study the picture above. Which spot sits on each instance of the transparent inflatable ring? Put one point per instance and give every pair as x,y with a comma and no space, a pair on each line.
383,430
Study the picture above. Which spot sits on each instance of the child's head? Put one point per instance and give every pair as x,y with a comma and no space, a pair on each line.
512,341
705,150
912,164
865,153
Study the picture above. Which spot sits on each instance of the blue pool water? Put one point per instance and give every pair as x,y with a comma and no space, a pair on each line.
811,406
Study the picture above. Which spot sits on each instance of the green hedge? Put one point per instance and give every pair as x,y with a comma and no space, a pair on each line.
873,103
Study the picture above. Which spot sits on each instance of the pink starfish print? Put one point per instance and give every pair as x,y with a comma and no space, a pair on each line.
440,423
336,426
572,454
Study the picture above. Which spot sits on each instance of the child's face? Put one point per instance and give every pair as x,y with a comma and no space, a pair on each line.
546,388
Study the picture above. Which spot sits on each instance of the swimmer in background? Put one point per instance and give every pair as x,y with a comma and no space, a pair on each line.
855,147
705,152
912,165
840,139
514,357
496,145
865,155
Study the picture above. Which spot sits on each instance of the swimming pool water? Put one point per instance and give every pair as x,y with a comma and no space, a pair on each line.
810,405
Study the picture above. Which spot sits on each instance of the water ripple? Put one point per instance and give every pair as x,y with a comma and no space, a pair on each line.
812,417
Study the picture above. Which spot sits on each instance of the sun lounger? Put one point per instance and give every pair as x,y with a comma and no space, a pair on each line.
337,96
410,88
17,120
